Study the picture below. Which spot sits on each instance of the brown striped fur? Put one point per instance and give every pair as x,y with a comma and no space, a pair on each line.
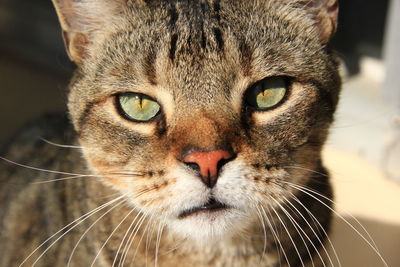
196,58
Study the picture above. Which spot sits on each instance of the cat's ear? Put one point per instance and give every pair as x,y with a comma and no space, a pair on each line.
325,13
82,21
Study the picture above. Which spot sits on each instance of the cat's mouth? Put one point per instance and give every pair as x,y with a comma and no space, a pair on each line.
212,205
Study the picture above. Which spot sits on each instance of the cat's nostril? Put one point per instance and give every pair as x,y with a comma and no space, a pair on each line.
193,166
208,164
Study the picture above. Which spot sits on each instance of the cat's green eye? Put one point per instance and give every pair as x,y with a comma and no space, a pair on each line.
138,107
267,93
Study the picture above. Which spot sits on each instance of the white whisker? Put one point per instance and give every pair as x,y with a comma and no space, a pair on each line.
373,246
131,238
264,231
321,228
76,222
90,227
60,145
109,237
299,228
38,169
290,237
274,230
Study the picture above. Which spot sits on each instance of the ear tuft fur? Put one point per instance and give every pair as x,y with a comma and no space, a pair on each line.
325,13
81,20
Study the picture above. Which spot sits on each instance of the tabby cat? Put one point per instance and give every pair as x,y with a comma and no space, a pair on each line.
196,138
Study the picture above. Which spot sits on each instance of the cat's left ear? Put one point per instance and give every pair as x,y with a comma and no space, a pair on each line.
325,14
82,21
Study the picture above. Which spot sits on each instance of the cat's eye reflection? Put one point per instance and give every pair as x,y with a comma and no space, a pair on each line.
137,107
267,93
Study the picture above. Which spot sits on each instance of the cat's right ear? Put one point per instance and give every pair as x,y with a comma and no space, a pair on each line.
82,21
325,14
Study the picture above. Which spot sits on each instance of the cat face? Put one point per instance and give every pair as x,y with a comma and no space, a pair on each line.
200,113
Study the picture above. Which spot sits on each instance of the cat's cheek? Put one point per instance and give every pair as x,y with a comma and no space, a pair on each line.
241,186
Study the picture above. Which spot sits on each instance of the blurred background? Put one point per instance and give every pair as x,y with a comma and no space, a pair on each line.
362,153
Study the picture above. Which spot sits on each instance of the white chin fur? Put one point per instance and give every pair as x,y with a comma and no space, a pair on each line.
210,226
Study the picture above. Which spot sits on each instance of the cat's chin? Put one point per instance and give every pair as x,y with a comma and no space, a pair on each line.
210,225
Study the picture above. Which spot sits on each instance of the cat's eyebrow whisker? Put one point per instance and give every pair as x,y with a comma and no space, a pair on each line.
60,145
319,227
76,222
298,229
371,243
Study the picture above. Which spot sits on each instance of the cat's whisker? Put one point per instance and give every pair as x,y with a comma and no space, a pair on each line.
60,145
97,220
127,173
131,239
372,245
158,239
316,179
274,230
288,202
141,238
109,237
276,239
67,178
38,169
334,203
305,169
264,230
90,227
175,247
149,236
300,231
135,229
145,232
76,222
320,227
288,233
82,176
125,235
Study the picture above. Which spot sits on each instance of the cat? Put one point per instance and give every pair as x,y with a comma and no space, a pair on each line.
193,138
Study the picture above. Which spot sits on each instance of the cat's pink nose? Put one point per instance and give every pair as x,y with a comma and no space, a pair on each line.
209,164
